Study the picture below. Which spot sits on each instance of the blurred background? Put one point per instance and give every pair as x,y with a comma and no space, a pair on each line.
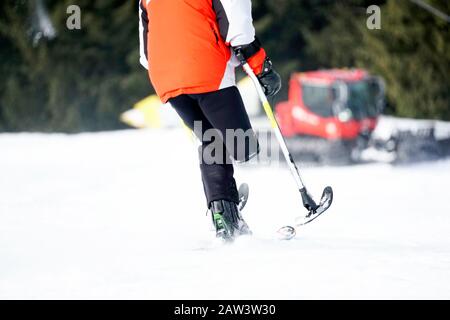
92,208
55,79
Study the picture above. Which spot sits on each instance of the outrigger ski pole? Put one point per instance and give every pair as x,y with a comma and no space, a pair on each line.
314,210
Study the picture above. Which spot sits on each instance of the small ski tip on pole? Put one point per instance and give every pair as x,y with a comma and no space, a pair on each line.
286,233
289,232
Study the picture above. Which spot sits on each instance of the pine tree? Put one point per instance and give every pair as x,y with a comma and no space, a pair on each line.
81,80
411,52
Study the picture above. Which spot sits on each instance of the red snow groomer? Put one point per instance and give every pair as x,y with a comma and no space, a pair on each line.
331,114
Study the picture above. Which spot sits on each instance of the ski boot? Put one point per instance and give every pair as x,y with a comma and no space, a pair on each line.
227,220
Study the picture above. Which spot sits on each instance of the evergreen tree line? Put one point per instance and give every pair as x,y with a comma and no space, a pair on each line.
83,79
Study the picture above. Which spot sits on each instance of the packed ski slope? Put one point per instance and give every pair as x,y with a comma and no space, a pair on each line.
122,215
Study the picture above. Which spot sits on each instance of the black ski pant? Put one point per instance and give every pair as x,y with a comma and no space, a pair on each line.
218,112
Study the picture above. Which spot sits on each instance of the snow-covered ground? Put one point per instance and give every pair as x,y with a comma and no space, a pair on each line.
388,125
122,215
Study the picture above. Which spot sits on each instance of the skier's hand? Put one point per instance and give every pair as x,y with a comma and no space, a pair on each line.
270,79
256,57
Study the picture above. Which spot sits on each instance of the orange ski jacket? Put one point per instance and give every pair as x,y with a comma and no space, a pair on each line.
186,44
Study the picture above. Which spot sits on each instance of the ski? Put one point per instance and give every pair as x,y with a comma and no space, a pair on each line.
325,203
289,232
243,195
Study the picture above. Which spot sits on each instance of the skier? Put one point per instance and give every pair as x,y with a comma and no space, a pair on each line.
191,49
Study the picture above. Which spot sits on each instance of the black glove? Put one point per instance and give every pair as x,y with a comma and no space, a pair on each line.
270,79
